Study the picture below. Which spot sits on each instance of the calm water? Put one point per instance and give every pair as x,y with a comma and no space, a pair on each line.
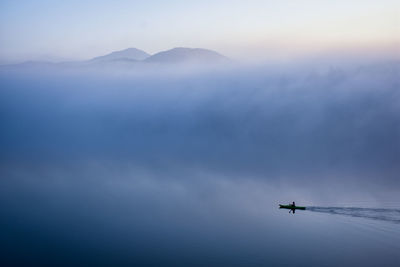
162,221
149,169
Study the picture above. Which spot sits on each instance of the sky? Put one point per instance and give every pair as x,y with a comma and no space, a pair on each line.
70,30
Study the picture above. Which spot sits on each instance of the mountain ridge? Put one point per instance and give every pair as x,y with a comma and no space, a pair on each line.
136,57
128,53
185,54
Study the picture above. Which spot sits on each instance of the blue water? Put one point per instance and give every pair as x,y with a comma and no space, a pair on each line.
379,214
126,220
149,169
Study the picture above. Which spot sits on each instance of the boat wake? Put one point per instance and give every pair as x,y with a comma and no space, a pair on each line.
388,215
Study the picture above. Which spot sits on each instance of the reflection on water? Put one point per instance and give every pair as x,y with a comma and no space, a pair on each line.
389,215
112,215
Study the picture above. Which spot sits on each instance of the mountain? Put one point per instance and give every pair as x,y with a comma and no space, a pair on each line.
130,54
187,55
133,58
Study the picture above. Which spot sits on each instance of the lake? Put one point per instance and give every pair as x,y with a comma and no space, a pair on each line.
171,169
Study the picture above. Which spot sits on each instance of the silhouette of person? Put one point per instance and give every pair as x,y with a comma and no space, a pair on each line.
293,210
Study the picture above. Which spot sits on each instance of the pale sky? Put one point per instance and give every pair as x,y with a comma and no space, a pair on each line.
67,30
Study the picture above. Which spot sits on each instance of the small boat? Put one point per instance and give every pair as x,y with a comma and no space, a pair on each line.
291,207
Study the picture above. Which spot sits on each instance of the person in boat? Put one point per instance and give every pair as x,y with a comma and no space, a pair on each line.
293,205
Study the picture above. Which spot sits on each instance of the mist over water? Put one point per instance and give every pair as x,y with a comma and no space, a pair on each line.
187,166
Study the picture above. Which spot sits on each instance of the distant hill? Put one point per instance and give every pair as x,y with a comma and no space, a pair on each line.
187,55
133,57
130,54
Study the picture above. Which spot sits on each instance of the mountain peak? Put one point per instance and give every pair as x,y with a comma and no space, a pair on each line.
126,54
187,55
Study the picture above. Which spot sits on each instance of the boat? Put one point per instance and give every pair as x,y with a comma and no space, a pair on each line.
291,207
